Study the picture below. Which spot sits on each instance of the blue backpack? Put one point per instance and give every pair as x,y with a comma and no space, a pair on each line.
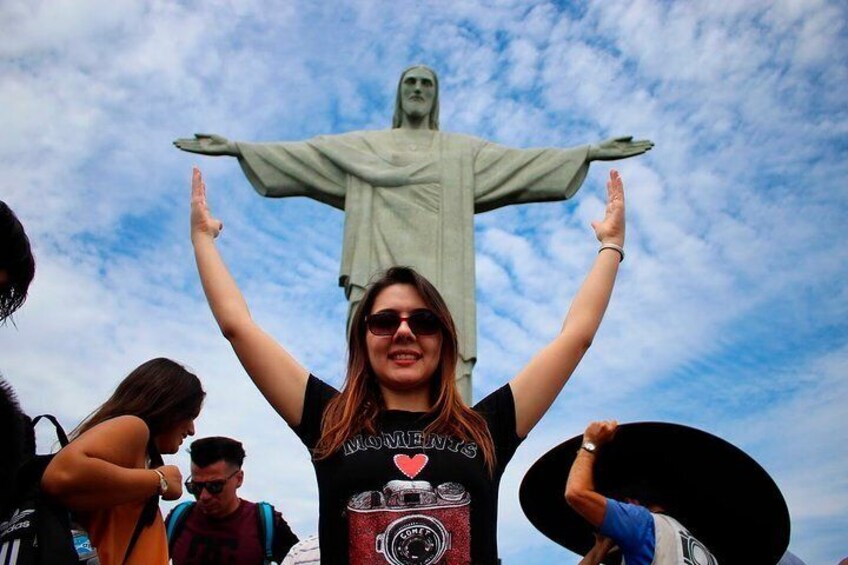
264,514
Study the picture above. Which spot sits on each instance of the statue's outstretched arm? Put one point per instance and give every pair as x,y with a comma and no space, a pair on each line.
619,148
208,144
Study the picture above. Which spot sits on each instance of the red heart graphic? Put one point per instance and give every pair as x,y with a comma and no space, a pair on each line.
411,466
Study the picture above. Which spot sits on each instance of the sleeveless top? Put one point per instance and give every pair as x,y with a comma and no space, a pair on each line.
110,531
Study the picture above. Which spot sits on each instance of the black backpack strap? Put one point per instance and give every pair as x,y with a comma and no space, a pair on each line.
152,503
151,507
60,431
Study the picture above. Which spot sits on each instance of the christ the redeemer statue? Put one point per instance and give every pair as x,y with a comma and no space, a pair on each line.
410,193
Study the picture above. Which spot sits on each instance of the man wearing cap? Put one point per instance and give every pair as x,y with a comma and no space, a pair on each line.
226,529
639,527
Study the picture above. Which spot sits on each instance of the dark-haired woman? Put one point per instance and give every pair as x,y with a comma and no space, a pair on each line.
113,467
17,265
407,473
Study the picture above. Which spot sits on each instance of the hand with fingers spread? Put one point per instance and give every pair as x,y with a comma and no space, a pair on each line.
208,144
274,371
203,224
611,228
617,148
536,387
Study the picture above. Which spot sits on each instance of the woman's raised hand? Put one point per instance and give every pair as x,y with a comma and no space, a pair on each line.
536,387
202,221
611,228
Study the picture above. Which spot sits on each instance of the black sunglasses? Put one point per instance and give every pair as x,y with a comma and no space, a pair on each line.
212,487
421,322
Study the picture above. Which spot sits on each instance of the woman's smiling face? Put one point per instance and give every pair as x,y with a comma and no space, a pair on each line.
170,440
402,362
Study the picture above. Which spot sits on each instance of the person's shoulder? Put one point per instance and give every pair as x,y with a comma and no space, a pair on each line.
179,509
628,508
246,506
621,514
269,511
499,398
316,385
251,506
132,427
121,440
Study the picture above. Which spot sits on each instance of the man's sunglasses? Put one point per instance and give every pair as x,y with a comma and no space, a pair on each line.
421,322
212,487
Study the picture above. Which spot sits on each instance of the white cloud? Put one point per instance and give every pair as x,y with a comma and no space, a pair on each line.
731,291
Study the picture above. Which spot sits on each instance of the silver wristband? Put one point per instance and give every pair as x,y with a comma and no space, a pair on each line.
614,246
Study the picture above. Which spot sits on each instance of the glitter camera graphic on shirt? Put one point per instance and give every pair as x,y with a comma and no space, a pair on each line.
410,523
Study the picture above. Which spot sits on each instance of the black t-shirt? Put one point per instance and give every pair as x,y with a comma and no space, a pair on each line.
400,498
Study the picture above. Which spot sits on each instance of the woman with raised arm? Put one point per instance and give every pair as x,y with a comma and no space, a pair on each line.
111,474
407,473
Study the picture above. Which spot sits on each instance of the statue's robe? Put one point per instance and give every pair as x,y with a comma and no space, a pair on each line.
409,198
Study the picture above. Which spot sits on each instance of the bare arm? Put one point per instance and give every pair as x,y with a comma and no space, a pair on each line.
580,489
277,375
105,467
540,382
602,546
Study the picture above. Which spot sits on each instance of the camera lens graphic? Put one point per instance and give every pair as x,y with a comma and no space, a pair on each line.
414,540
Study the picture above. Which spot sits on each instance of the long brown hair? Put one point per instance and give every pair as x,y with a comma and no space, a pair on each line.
358,406
160,391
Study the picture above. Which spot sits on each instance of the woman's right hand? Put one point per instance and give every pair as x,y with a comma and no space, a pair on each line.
203,224
175,481
280,378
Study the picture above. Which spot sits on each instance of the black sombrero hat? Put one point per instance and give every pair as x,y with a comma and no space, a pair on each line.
714,489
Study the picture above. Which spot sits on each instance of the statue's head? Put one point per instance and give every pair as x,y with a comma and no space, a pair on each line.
417,96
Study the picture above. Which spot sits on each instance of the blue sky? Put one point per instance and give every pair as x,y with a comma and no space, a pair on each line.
730,311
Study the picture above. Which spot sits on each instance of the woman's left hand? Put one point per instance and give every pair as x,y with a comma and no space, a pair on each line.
175,482
611,229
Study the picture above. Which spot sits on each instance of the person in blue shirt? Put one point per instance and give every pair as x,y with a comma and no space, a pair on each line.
640,528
